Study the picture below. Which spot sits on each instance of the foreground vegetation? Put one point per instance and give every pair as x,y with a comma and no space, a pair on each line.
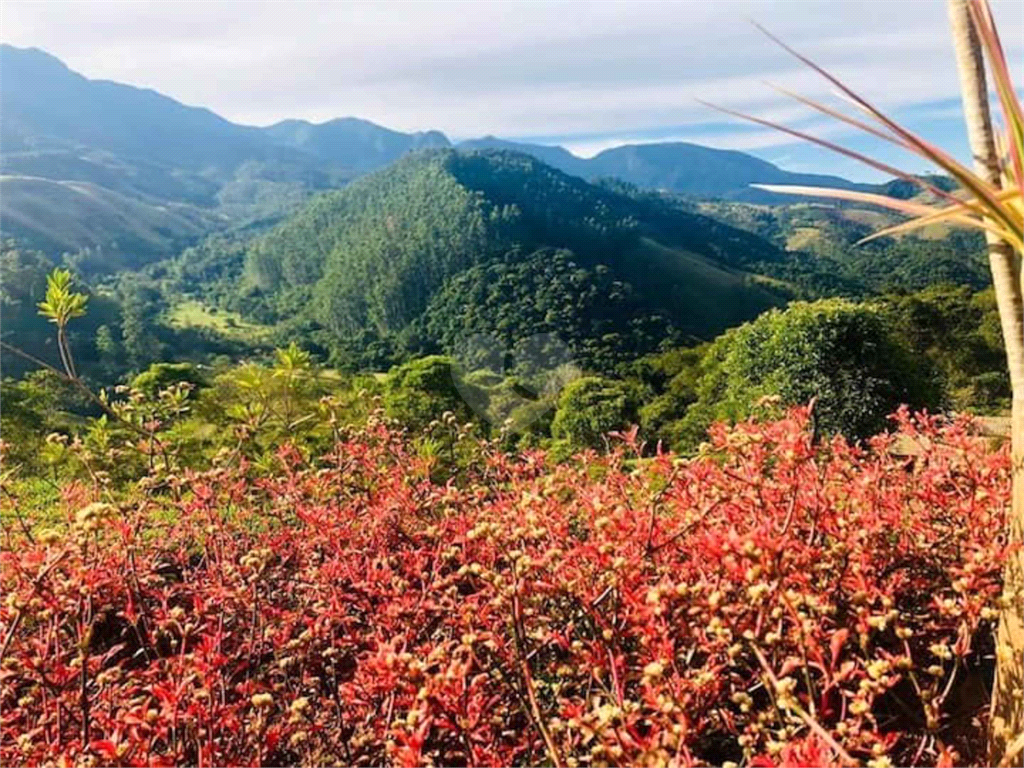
770,601
989,200
277,564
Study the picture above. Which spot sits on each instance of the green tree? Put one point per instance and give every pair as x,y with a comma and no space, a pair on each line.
958,331
672,378
162,375
140,306
591,407
423,390
833,351
60,306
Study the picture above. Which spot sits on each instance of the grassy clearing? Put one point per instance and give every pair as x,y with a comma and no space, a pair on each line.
195,314
803,238
717,297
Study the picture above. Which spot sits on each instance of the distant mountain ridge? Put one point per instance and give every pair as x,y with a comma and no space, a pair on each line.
357,144
49,111
154,152
679,167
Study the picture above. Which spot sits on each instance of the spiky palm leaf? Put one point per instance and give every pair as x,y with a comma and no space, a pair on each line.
980,204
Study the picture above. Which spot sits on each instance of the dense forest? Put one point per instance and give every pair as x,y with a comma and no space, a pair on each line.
447,247
375,256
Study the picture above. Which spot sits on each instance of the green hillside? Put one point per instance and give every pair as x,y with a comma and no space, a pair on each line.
380,257
68,216
824,256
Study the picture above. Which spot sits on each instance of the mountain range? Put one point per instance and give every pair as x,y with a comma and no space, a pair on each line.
133,175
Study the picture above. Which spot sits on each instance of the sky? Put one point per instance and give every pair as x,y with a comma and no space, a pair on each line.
586,75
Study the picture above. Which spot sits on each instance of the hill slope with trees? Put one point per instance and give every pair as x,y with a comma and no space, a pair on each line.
374,257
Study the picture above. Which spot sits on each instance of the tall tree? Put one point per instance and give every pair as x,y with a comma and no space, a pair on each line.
1007,725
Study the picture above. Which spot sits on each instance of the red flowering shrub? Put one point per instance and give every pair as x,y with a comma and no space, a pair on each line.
769,602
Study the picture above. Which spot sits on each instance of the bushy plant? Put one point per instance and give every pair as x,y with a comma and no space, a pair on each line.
162,375
958,331
774,601
425,389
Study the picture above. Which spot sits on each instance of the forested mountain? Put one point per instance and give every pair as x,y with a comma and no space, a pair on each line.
352,144
441,244
418,253
558,157
135,175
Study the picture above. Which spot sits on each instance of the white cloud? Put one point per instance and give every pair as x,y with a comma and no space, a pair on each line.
607,69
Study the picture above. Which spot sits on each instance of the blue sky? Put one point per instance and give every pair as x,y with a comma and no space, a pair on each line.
585,75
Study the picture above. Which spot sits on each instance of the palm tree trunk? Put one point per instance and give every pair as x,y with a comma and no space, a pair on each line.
1007,721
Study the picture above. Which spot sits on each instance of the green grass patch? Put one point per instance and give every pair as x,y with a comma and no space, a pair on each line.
804,238
195,314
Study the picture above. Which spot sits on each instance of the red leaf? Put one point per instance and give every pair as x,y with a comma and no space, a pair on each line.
836,644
